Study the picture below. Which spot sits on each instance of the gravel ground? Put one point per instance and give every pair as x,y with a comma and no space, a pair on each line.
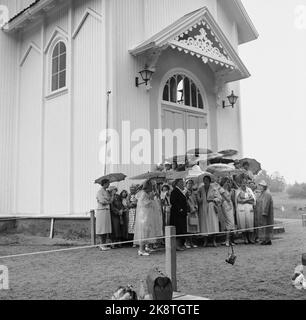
261,273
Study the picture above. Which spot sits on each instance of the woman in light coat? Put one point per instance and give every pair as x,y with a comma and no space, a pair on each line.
245,211
209,199
103,216
227,210
146,216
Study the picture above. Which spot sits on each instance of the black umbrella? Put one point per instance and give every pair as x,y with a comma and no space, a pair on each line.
112,177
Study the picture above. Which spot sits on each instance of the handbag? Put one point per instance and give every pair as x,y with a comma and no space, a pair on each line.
193,220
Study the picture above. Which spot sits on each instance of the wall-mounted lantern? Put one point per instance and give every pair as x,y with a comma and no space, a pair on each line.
232,100
146,75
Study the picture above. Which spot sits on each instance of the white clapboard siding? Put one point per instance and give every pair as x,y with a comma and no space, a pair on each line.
89,116
130,103
8,116
160,13
56,156
29,161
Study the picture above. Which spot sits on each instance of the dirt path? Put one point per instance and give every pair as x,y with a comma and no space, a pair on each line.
260,272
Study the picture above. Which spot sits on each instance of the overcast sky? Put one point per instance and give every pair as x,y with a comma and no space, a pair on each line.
274,98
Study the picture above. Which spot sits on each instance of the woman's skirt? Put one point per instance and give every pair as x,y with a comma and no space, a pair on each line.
132,219
228,218
245,216
103,222
209,220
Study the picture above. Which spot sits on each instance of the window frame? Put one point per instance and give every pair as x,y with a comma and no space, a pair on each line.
53,93
183,105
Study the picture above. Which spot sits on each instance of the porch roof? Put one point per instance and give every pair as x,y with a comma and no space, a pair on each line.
213,48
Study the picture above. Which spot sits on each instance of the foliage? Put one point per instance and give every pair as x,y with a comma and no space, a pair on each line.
275,181
297,191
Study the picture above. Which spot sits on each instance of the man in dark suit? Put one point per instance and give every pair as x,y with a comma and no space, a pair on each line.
178,215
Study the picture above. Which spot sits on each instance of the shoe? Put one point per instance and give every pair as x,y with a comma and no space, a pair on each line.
187,246
180,249
143,254
268,243
103,248
263,243
233,244
194,246
227,244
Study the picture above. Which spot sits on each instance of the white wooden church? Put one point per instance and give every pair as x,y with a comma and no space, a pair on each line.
64,63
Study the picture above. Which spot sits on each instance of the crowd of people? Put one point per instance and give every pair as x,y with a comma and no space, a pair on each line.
230,205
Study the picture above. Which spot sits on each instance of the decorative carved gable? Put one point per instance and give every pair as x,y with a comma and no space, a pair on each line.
201,41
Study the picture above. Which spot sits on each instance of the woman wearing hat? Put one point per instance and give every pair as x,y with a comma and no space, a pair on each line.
178,214
146,213
132,200
265,211
209,199
193,225
245,211
117,216
227,209
166,205
103,217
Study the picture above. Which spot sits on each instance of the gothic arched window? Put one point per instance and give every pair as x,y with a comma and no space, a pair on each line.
59,66
182,90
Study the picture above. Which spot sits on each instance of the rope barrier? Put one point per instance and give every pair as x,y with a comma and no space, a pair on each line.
144,240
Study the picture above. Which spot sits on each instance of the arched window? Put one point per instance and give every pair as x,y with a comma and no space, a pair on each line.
59,66
182,90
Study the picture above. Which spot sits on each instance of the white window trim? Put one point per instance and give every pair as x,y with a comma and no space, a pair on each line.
49,93
198,85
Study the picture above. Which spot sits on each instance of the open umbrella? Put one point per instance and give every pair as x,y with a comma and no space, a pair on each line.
221,160
255,166
229,153
195,173
205,157
199,151
150,175
181,159
221,169
112,177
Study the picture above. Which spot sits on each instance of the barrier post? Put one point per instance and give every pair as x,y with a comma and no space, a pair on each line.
171,255
52,228
93,227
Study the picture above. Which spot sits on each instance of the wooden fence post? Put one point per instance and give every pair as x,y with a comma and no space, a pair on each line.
171,255
52,228
93,227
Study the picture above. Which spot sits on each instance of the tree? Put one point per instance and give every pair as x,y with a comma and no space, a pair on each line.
275,181
298,190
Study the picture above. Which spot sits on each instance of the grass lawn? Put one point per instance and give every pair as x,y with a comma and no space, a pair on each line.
260,272
291,206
